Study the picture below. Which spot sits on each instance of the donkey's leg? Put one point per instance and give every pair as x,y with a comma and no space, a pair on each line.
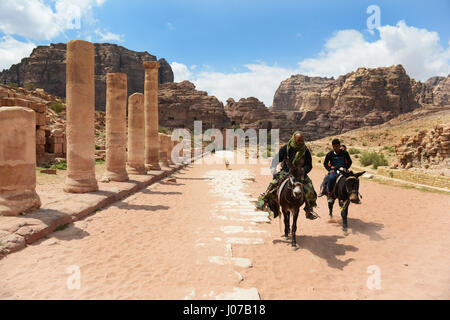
286,215
344,218
330,208
344,211
294,227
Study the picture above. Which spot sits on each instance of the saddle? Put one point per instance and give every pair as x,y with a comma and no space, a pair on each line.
280,187
334,191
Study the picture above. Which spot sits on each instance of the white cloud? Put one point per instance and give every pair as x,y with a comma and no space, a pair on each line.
36,19
181,72
12,51
418,50
109,36
260,81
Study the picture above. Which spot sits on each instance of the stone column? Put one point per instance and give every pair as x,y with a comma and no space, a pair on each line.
136,134
162,149
116,126
17,161
151,115
169,149
80,130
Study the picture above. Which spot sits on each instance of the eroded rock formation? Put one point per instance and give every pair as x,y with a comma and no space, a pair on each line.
180,104
365,97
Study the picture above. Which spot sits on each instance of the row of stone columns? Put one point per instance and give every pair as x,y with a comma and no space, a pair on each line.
17,141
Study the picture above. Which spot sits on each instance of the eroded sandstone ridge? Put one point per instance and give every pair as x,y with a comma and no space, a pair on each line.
365,97
180,104
425,149
46,69
301,92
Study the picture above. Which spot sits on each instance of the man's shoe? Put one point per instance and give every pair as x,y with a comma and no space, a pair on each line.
310,215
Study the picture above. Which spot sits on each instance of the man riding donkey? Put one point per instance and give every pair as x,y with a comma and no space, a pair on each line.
299,155
336,161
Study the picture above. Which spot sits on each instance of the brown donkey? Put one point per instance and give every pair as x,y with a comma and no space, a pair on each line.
291,196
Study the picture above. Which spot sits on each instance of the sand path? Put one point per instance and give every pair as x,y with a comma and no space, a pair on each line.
199,238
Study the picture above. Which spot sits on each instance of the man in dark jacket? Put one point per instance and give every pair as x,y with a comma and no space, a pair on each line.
298,154
335,161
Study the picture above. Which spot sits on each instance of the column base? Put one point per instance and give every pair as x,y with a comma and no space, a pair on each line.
121,176
152,166
137,170
164,163
13,203
80,186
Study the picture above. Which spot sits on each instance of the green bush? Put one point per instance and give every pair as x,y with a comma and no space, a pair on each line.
12,85
353,151
389,149
320,154
97,147
29,85
162,130
373,158
364,144
59,166
57,107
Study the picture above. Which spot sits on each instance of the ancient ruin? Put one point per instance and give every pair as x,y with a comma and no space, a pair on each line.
116,126
425,149
80,91
18,161
151,115
136,134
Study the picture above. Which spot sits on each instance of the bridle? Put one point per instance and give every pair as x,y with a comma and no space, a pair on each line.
294,184
356,191
346,185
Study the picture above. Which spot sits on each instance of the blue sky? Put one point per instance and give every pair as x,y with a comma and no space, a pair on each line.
241,48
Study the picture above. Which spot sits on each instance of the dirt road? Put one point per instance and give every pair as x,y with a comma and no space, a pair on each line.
199,238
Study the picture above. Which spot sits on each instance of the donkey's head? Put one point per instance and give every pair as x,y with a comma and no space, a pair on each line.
295,173
352,186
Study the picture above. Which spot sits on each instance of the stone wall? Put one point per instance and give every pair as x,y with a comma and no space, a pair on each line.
22,98
416,177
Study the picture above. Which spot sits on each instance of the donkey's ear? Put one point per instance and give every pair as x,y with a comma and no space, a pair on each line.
359,174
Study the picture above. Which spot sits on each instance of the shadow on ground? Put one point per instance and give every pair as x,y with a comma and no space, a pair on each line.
325,247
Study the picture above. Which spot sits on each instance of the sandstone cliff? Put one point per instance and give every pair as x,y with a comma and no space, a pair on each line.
300,92
365,97
246,111
180,104
46,69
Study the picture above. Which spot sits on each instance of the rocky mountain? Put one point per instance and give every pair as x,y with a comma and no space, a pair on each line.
365,97
46,69
441,92
180,104
246,111
299,92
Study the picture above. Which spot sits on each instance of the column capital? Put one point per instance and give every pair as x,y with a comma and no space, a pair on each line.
151,64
